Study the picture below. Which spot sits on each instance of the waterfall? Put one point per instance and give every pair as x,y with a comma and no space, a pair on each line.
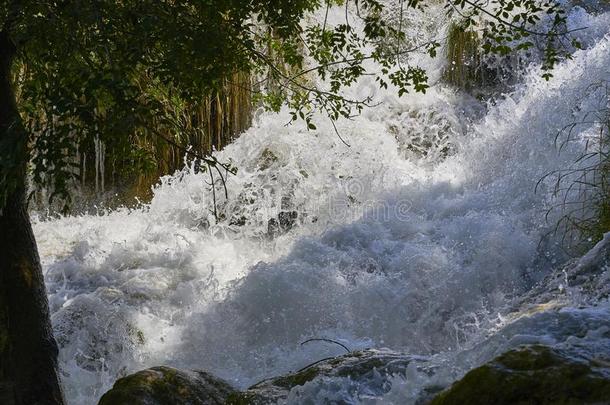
370,245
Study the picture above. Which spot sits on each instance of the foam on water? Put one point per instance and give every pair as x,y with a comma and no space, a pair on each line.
389,248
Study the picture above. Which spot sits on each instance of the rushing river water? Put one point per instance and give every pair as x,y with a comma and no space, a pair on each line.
372,245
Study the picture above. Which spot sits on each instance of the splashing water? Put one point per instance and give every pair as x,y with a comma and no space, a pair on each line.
375,245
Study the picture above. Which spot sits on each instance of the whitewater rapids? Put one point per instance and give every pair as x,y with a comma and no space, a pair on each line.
389,249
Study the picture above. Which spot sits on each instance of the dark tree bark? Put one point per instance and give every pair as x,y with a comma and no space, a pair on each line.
28,351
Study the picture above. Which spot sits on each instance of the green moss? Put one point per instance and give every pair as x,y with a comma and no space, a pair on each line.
464,58
362,368
595,229
168,386
266,159
529,375
242,398
586,226
536,358
299,378
136,335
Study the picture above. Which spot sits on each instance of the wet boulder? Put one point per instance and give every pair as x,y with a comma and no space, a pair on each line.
366,369
535,374
168,386
585,280
285,221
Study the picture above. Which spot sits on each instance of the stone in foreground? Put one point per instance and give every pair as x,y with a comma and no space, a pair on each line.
533,375
168,386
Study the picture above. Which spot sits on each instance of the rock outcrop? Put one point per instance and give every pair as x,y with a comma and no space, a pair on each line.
369,368
572,366
534,374
168,386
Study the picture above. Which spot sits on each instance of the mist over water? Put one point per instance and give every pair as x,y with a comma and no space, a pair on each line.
373,245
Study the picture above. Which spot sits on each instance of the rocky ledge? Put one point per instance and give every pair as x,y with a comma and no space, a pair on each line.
168,386
531,374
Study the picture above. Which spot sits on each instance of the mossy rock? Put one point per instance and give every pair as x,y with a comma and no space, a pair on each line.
464,58
168,386
165,385
266,159
466,68
588,277
532,375
361,366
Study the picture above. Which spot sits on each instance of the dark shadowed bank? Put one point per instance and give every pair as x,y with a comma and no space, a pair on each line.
28,352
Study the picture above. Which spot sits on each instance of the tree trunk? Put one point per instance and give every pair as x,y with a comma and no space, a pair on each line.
28,351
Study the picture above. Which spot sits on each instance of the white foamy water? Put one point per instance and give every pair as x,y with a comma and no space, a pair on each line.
389,248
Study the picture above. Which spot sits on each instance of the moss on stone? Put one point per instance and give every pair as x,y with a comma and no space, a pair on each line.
530,375
244,398
136,335
299,378
164,385
357,366
362,367
168,386
266,159
463,56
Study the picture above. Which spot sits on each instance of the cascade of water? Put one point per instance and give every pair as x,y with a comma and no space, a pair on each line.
373,245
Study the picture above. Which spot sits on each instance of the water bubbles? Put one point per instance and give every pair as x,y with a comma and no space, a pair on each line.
416,238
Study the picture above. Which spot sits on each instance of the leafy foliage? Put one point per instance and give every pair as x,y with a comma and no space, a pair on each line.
81,63
583,189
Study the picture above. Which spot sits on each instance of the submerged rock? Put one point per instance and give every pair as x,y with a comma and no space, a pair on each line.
286,220
563,322
530,374
534,374
553,349
581,282
168,386
367,369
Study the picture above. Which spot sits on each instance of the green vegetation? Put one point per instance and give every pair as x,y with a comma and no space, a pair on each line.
463,58
356,365
583,189
147,79
168,386
531,375
130,77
